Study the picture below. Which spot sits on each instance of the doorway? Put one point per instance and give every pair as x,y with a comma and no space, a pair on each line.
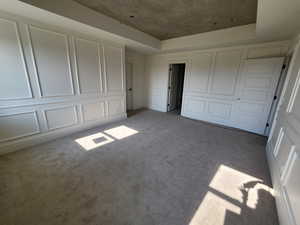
175,87
129,95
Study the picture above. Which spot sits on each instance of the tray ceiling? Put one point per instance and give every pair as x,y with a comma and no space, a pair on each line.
166,19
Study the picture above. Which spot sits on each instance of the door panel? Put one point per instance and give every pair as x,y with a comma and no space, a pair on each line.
225,72
292,186
244,95
283,147
198,78
256,90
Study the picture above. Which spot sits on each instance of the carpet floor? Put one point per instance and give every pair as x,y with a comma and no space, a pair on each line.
151,169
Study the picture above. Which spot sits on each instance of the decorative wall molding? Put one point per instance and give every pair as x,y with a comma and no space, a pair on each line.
30,28
67,103
191,74
48,123
37,125
236,73
96,116
21,52
99,65
108,74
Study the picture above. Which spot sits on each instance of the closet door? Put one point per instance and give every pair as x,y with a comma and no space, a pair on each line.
283,147
256,90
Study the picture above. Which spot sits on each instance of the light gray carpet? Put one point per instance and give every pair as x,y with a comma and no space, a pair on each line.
174,171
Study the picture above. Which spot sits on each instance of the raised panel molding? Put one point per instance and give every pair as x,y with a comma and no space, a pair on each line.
115,107
226,70
284,147
114,74
43,93
51,55
200,71
258,82
255,68
251,108
264,52
194,106
88,66
293,106
220,110
18,125
60,117
278,142
93,111
254,95
13,65
291,186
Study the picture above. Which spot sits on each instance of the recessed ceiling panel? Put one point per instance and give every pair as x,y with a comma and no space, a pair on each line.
166,19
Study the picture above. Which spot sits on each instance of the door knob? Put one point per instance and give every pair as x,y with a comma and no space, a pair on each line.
129,89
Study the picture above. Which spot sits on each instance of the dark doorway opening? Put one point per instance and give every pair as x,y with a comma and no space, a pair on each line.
175,87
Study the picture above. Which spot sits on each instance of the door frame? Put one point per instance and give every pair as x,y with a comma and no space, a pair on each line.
170,62
278,93
127,62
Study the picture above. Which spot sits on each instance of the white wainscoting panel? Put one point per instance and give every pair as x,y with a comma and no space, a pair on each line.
284,148
55,82
93,111
291,185
114,69
200,69
61,117
219,110
14,76
18,125
194,108
88,66
226,72
115,107
52,61
264,52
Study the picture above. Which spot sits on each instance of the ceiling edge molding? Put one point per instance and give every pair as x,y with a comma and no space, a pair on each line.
70,12
220,38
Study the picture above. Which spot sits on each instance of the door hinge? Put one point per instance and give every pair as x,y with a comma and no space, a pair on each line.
283,66
169,87
168,104
267,125
275,97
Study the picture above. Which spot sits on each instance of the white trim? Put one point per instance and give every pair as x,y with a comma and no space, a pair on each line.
93,102
75,44
49,136
294,94
34,112
65,36
57,108
238,72
21,51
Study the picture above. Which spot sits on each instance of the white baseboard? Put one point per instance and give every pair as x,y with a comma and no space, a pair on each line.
30,141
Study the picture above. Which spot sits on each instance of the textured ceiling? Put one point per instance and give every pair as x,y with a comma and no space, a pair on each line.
166,19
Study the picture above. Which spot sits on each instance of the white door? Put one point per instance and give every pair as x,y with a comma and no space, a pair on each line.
172,94
283,149
256,90
129,86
